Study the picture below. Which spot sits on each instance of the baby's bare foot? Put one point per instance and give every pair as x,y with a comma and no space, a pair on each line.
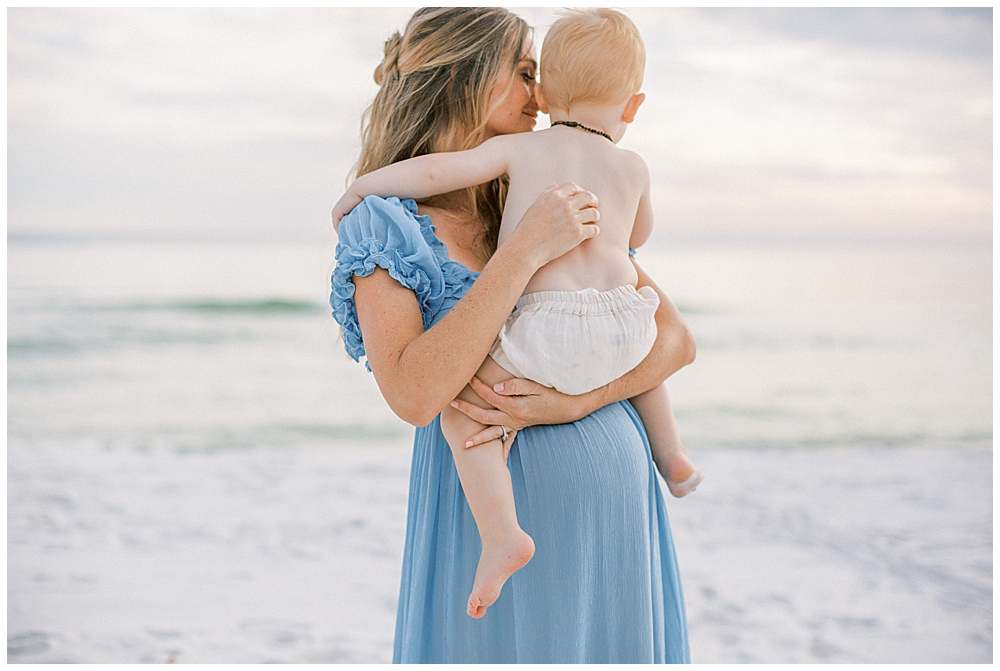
682,477
498,562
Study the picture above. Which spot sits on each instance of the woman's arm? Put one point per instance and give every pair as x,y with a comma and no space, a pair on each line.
428,175
520,403
419,372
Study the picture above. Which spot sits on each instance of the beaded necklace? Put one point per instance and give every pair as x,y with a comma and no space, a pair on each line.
574,124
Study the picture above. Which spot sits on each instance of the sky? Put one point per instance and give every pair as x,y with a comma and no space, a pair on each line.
192,124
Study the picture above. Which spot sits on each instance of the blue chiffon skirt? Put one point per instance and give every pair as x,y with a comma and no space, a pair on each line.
603,586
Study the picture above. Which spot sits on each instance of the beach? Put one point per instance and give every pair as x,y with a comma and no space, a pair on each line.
293,554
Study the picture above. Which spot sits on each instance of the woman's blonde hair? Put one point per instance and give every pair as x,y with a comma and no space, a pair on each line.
435,84
591,55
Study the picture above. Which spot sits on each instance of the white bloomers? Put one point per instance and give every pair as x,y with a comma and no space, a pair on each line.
576,341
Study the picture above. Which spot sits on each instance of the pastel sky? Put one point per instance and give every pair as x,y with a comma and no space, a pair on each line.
219,123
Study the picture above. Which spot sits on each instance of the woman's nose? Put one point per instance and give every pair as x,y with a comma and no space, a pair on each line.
533,102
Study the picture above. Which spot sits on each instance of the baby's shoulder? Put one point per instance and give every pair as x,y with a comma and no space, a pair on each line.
626,168
633,163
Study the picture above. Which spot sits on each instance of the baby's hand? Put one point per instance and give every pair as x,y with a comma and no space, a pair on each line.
344,206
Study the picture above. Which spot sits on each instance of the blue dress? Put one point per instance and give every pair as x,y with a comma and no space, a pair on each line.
603,585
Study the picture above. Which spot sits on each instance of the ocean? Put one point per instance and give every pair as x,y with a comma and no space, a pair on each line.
226,345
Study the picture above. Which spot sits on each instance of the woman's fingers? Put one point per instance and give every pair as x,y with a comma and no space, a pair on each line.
590,231
492,433
589,216
582,199
584,204
565,190
509,402
482,415
520,403
485,436
516,386
559,220
570,189
487,393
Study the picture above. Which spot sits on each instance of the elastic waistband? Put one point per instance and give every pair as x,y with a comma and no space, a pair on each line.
609,298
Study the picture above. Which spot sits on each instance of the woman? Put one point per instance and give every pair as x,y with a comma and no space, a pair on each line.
410,280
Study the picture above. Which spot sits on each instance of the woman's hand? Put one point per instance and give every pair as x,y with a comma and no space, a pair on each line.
493,433
559,220
519,403
420,371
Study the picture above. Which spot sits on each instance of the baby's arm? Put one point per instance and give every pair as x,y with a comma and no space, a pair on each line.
643,225
429,175
653,406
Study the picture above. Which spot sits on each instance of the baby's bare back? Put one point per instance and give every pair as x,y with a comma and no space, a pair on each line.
616,176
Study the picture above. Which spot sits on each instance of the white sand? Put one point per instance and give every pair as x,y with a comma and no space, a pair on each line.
292,555
839,555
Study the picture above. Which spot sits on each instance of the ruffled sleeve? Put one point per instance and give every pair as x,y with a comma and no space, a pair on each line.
385,233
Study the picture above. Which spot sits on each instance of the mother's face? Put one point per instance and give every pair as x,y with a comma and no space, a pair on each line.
515,113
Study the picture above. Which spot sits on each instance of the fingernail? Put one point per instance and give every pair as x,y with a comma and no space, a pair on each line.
454,404
498,386
468,443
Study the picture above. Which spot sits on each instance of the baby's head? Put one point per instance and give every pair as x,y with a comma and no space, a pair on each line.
592,56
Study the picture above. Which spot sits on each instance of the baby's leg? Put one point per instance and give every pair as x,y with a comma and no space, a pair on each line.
671,458
487,486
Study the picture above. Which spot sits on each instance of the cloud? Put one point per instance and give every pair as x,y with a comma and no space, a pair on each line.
174,120
764,123
188,75
942,32
223,122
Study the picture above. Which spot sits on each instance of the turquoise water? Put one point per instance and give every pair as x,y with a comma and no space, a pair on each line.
200,346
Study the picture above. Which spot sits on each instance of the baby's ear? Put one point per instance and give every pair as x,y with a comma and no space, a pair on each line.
543,106
632,106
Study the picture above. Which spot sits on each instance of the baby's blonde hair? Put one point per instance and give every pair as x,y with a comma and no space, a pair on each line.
591,55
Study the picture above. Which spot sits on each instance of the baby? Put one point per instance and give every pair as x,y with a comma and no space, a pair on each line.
580,322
